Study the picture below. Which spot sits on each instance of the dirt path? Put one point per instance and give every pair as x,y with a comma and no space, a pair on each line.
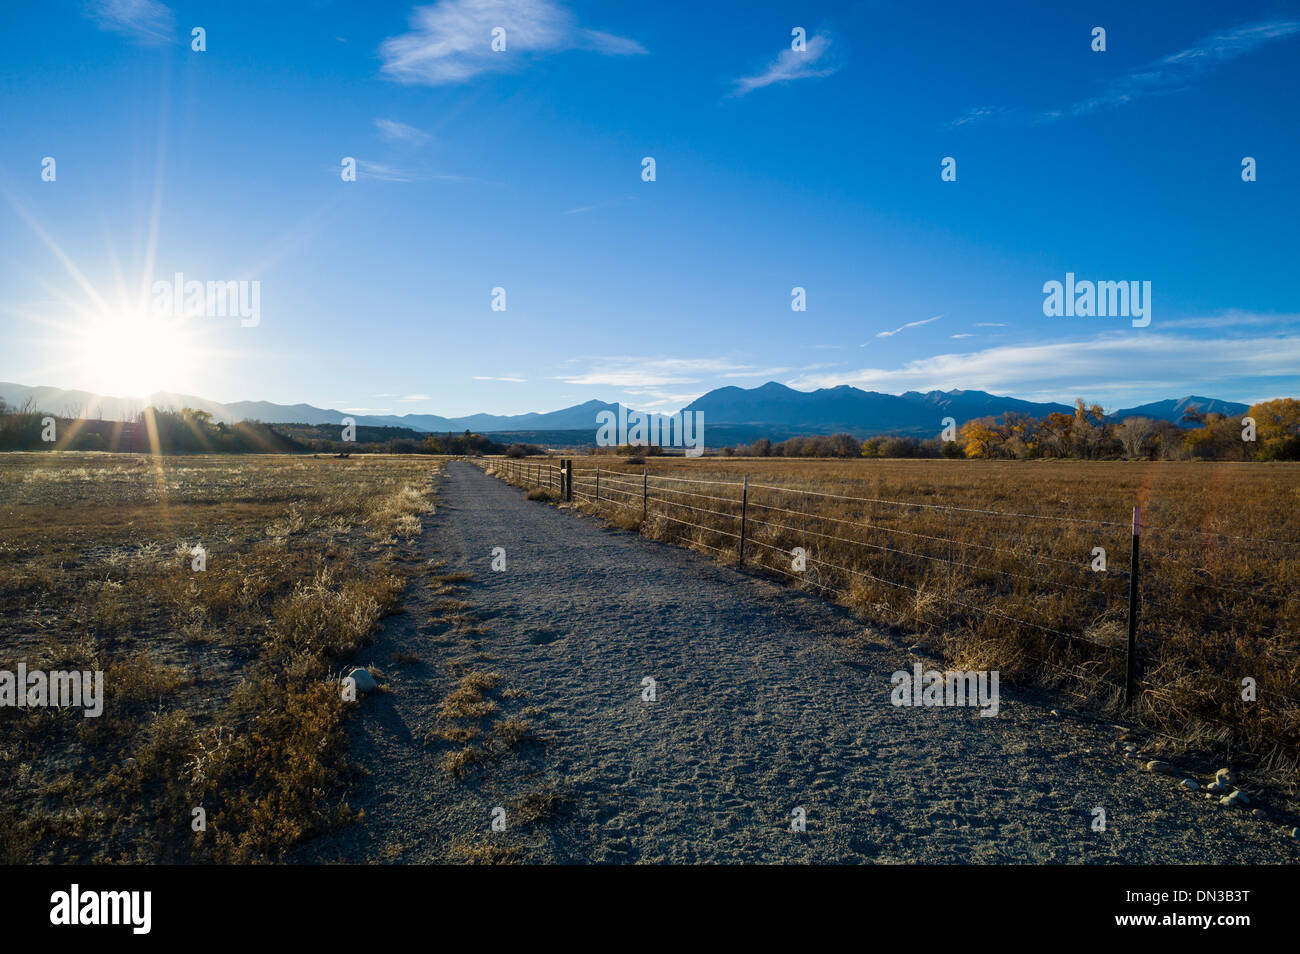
766,700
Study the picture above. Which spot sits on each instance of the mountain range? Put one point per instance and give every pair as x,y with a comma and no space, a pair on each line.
770,410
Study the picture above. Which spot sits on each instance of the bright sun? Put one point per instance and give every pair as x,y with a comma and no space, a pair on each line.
133,356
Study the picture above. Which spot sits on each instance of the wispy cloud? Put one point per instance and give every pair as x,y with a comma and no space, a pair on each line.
145,21
1169,74
1114,364
389,173
975,115
758,373
964,335
910,324
990,324
492,377
599,205
1178,70
414,398
668,381
791,65
395,131
1234,319
451,41
631,372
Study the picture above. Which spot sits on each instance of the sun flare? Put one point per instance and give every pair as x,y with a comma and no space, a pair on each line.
135,356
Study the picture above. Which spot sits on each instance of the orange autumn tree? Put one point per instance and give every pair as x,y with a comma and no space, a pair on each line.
981,437
1277,425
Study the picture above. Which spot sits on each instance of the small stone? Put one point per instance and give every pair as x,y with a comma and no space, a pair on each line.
1189,784
1218,785
1055,714
1236,799
1226,776
1162,768
362,679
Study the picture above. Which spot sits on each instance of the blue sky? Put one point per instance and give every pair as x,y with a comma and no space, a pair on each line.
522,170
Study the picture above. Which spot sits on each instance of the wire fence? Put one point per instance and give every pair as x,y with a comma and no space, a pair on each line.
1080,597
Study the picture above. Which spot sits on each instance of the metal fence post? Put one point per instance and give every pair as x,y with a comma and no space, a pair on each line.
744,507
568,480
1130,665
645,494
597,484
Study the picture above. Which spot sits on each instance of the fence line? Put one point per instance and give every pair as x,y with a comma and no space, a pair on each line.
602,487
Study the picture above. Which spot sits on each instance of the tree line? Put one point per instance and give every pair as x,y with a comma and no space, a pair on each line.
1269,430
191,431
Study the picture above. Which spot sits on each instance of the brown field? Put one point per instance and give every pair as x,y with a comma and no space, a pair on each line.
990,563
221,687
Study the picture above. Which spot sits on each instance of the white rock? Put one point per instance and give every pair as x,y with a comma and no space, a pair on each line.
1226,776
1162,768
1189,784
363,680
1235,799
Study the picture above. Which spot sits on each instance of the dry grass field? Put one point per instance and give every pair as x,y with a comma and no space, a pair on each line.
992,564
221,687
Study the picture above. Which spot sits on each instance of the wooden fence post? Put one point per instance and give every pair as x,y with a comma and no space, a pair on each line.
744,507
645,494
598,485
1130,664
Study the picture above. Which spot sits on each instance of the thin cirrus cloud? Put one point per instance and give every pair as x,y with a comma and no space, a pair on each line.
451,41
395,131
1110,364
791,65
1169,74
145,21
630,372
598,205
910,324
493,377
384,172
665,381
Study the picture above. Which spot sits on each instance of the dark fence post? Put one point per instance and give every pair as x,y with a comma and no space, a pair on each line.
744,507
645,493
568,480
598,485
1131,656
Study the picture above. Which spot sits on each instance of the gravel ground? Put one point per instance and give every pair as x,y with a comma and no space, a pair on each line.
767,700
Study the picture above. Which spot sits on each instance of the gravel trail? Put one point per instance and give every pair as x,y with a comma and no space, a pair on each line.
766,700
